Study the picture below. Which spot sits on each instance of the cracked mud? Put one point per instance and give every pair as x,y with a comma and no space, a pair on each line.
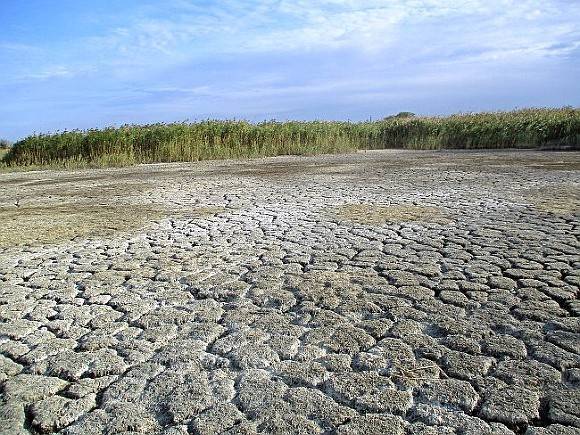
385,292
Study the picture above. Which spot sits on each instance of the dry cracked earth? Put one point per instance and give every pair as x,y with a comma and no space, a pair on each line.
384,292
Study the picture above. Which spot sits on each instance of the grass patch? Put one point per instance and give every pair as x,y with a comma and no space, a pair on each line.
131,144
43,209
41,225
53,224
560,200
101,191
368,214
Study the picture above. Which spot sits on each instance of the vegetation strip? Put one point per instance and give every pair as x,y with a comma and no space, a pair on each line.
131,144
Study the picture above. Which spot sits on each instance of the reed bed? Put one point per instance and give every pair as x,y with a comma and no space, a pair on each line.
130,144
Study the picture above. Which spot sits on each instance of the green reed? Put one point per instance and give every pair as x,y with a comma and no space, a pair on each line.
130,144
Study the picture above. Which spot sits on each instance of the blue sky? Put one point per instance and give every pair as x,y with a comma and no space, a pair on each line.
81,64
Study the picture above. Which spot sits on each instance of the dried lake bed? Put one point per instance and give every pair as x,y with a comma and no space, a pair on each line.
387,292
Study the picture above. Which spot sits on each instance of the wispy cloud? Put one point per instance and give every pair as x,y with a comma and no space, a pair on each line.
280,26
179,30
17,47
55,71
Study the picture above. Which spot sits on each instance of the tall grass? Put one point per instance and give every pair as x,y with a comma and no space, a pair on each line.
232,139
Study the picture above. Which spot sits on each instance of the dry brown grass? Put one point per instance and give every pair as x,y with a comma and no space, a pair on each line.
562,200
54,224
52,208
45,224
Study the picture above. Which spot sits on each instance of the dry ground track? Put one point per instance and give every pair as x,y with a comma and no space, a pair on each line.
385,292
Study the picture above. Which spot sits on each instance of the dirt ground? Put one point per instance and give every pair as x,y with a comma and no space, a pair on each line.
388,292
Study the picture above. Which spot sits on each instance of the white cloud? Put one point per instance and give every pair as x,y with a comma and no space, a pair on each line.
278,26
17,47
57,71
181,31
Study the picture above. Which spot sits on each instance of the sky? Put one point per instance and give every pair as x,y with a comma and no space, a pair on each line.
70,64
